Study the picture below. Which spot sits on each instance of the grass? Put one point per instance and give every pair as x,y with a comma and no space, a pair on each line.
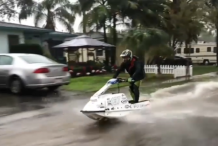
198,70
94,83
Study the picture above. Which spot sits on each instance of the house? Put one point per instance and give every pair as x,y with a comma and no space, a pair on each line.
13,34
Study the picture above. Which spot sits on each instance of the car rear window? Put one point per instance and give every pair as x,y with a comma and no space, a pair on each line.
36,59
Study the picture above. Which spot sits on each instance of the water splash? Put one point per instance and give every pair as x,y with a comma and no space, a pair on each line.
179,102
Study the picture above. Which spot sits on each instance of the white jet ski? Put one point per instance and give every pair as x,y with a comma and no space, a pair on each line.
114,105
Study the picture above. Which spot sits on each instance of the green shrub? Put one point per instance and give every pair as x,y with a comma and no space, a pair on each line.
27,48
95,64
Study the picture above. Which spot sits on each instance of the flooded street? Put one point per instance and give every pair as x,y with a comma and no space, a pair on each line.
183,115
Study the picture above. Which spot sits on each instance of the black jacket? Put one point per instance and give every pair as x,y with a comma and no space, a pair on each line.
135,68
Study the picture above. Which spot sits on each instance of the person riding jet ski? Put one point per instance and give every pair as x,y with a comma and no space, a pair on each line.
135,68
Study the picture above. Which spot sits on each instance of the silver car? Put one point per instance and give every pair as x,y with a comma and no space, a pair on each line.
21,71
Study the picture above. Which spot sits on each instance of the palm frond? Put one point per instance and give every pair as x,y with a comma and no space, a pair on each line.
28,8
66,24
144,39
39,15
66,18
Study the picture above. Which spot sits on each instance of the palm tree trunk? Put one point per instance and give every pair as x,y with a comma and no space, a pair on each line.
176,6
133,24
104,32
84,25
113,51
159,60
107,51
49,21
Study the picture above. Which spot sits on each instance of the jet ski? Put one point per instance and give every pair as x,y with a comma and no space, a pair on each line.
111,106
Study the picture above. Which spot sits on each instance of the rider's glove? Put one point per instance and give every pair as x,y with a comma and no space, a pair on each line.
130,80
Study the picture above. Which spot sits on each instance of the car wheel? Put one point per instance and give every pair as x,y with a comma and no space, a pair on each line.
53,88
206,62
16,85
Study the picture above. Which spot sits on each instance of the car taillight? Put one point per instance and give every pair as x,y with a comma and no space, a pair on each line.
41,70
65,69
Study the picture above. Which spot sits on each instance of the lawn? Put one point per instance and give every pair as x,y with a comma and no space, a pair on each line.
94,83
198,70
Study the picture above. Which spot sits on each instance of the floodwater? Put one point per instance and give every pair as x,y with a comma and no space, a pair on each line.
178,116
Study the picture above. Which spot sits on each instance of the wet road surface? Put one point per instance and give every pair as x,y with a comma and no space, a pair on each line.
179,116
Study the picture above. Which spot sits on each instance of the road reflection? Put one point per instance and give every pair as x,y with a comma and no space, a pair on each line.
30,100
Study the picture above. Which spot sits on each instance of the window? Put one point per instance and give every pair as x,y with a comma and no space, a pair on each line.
31,59
99,52
6,60
197,50
188,50
179,50
214,49
208,49
13,40
177,57
185,50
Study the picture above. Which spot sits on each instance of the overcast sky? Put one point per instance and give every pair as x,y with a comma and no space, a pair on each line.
30,21
59,27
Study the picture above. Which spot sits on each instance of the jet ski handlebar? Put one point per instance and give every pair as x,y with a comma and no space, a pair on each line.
120,80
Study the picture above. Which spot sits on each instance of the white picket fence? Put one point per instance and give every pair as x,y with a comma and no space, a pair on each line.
176,70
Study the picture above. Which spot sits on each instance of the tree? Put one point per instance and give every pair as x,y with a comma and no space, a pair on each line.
96,19
185,24
149,41
154,23
81,7
146,13
7,8
142,40
49,11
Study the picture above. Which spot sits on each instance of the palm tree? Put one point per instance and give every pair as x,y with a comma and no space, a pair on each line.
97,19
142,40
147,13
50,11
151,42
81,7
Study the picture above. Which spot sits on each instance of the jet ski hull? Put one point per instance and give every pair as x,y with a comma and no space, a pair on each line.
113,112
112,105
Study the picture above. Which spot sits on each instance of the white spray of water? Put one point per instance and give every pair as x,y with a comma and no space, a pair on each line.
167,104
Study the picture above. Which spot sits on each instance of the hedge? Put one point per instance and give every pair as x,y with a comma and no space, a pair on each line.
27,48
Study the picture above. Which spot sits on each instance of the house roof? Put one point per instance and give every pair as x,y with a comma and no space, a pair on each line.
94,35
84,41
14,26
65,34
100,35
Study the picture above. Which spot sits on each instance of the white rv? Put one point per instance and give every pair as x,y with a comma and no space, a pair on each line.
199,53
